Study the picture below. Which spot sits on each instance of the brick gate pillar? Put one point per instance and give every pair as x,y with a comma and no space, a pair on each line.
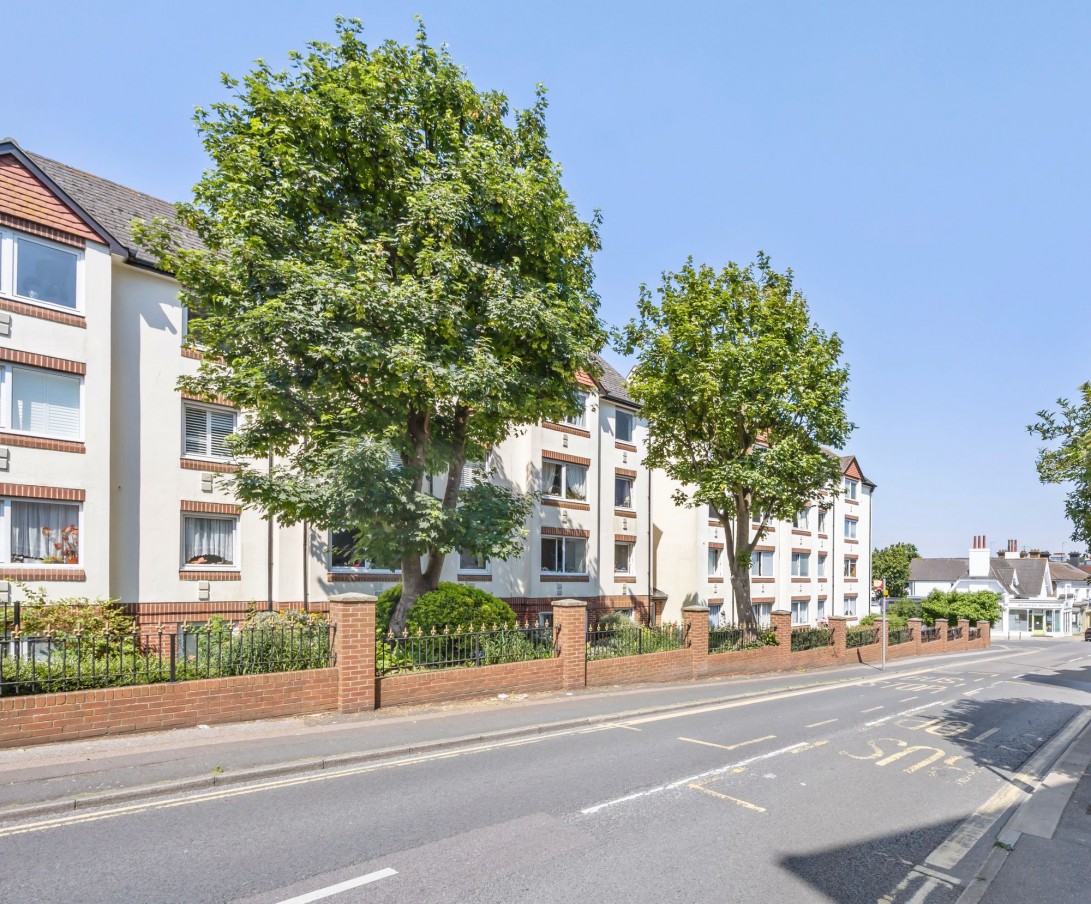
986,633
695,625
941,626
963,642
570,641
915,625
780,620
839,626
353,614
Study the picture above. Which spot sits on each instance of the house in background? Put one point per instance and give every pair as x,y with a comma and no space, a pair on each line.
1037,596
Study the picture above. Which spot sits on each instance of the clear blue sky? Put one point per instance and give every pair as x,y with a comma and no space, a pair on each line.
923,167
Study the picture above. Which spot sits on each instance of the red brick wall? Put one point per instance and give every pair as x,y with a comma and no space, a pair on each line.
24,197
672,665
458,684
41,718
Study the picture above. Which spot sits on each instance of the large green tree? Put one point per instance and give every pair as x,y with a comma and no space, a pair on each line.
392,279
741,393
891,563
1069,461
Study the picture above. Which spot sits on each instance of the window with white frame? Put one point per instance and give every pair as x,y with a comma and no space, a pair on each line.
468,560
801,564
623,426
850,566
850,606
801,612
472,472
623,492
761,564
715,562
210,541
822,513
763,613
40,271
822,565
850,528
564,555
343,556
41,532
852,488
821,613
206,429
714,610
579,419
802,520
623,558
41,402
564,480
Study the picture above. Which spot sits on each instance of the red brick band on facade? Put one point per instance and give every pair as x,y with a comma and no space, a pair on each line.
42,313
625,538
567,504
43,232
220,400
210,508
14,356
29,491
36,442
567,428
624,447
14,573
191,575
625,472
565,532
550,455
197,464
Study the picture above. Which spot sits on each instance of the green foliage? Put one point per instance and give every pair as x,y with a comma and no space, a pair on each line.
731,638
892,564
741,393
811,639
982,605
895,620
862,635
389,263
622,637
1069,462
450,606
69,616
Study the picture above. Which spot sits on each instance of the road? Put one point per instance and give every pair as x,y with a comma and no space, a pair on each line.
886,787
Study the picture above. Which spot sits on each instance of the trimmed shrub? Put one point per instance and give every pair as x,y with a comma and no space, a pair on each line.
448,606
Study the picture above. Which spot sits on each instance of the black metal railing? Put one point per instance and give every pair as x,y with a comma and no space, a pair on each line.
811,639
975,633
459,648
900,635
929,634
33,664
608,641
732,638
862,637
954,633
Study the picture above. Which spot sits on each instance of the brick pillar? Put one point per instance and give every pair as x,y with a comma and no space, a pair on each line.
915,625
963,643
780,620
570,641
986,633
839,626
695,621
941,625
354,646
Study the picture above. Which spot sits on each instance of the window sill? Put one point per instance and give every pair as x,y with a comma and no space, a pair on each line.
40,442
211,574
474,577
41,573
625,513
624,446
852,501
207,464
754,580
362,577
43,311
624,578
567,428
850,540
567,504
713,579
800,532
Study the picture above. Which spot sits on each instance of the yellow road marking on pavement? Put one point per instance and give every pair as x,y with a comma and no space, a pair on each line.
811,746
816,724
873,709
729,746
742,803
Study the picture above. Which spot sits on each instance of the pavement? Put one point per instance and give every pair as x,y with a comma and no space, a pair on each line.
1041,854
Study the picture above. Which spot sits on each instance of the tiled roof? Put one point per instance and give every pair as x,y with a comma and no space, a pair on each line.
114,206
1062,571
937,569
613,383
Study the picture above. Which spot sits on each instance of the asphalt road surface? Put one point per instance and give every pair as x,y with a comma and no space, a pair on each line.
885,788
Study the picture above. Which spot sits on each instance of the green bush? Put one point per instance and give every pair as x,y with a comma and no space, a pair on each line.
448,606
980,606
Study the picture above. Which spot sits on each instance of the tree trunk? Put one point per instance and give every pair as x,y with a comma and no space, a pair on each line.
416,580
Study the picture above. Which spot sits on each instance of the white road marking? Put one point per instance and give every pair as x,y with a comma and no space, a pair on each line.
907,699
816,724
768,737
906,712
330,890
587,811
976,690
873,709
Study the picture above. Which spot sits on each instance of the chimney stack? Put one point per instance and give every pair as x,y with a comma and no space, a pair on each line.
1074,559
979,558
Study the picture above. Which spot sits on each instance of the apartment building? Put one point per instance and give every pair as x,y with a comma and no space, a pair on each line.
109,485
815,566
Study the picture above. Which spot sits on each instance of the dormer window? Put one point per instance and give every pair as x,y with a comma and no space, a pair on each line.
40,271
